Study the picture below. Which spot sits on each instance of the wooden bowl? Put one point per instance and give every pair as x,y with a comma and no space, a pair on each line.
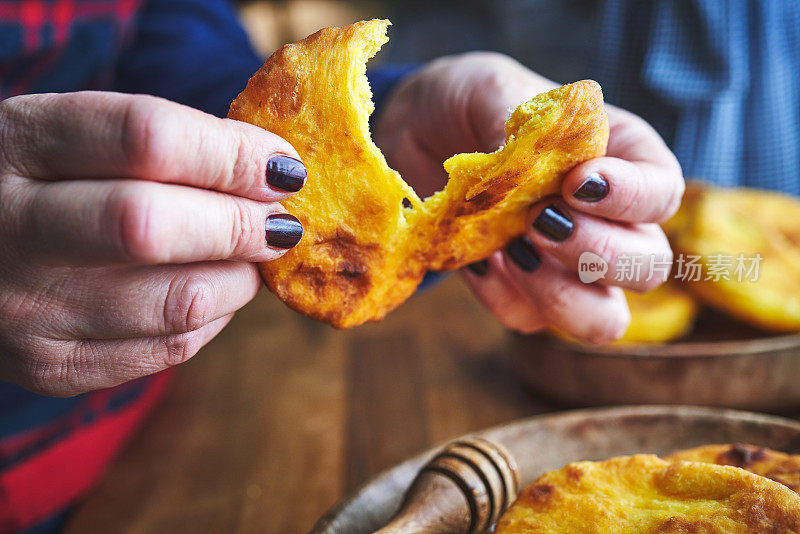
722,363
549,442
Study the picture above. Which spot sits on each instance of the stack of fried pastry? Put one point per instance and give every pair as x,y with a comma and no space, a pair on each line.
753,238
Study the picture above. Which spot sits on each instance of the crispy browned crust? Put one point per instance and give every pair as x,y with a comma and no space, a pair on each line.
645,494
779,466
363,253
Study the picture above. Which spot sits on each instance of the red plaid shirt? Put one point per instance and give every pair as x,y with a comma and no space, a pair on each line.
53,45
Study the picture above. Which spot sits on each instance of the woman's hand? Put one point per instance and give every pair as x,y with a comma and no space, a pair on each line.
128,225
608,206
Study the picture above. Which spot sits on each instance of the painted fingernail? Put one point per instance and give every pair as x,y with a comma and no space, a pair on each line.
521,251
554,223
593,189
283,230
286,174
480,268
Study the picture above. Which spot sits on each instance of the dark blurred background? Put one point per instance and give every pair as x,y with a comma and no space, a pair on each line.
554,37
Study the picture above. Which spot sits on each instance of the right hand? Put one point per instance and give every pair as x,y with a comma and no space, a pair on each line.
460,104
128,228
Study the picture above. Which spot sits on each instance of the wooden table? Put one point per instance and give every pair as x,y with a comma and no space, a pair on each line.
281,416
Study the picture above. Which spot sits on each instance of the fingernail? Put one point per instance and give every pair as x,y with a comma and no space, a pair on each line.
593,189
480,268
554,223
285,173
521,251
283,230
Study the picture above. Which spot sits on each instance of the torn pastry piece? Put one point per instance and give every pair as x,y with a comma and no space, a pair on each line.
363,252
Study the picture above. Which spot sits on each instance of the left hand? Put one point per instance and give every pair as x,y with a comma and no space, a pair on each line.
611,204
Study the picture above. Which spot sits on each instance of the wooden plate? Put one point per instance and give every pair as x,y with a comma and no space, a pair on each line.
722,363
548,442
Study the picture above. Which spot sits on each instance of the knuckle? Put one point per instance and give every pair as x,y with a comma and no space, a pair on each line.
147,135
26,312
245,231
17,108
132,210
179,348
514,314
631,197
487,58
638,126
7,128
188,304
248,161
655,279
555,303
23,216
17,129
16,305
54,369
605,246
655,269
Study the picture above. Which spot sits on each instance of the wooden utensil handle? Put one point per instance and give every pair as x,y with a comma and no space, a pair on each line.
462,490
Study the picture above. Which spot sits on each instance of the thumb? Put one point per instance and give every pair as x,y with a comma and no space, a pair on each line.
499,85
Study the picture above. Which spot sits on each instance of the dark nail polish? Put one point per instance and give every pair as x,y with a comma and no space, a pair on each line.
521,251
593,189
285,173
283,230
554,223
480,268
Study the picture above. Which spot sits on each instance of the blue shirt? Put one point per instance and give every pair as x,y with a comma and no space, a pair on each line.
718,79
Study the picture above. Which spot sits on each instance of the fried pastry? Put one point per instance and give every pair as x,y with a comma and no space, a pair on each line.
363,252
779,466
661,315
645,494
727,230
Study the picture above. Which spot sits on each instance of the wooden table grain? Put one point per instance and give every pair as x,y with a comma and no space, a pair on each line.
280,416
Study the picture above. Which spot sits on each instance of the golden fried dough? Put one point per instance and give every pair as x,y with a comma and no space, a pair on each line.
363,253
661,315
778,466
719,225
645,494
